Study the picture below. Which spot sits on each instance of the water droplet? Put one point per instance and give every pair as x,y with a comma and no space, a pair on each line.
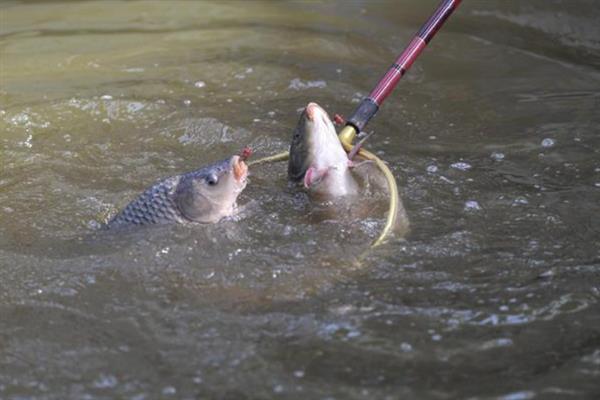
519,201
593,358
297,84
105,382
497,156
547,142
494,343
27,142
462,166
406,347
169,391
524,395
353,334
472,205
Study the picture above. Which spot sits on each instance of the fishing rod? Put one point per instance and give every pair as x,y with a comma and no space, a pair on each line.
370,105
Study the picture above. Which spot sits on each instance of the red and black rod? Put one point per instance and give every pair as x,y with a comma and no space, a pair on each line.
369,105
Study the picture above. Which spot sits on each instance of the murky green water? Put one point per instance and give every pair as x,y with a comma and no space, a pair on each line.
494,138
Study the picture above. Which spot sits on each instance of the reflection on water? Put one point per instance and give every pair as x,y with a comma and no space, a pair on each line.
493,137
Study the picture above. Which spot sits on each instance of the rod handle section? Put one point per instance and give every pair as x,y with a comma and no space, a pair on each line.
365,111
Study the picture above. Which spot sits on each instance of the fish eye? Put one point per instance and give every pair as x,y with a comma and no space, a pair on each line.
212,179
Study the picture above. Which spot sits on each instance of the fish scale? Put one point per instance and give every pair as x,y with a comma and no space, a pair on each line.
154,206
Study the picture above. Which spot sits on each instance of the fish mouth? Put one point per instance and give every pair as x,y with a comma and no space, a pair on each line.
240,169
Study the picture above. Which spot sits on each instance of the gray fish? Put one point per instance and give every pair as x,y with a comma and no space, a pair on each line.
317,157
206,196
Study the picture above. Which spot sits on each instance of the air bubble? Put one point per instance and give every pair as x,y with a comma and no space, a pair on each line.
406,347
497,156
547,142
472,205
105,382
169,391
462,166
520,200
297,84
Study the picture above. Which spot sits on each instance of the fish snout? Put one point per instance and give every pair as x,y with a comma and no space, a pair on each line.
313,110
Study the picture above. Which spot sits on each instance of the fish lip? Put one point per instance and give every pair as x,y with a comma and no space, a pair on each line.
239,168
307,181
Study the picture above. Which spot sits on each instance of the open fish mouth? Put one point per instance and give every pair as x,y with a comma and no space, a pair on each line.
240,169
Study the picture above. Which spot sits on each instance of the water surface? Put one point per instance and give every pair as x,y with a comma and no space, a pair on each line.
493,137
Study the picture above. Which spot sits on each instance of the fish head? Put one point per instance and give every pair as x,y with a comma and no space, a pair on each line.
316,148
209,194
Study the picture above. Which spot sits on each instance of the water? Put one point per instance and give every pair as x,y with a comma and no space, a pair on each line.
493,137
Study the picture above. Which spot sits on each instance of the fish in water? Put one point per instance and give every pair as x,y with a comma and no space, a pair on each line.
206,196
317,157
